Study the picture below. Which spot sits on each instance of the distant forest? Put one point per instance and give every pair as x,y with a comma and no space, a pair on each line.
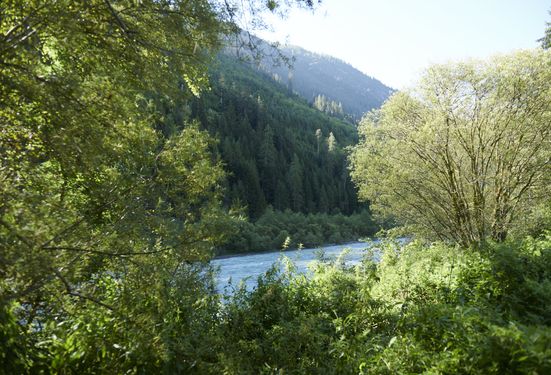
279,150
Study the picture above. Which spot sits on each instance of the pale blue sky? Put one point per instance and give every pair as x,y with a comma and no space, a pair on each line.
394,40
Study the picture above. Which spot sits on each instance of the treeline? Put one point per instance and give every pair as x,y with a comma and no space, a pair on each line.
274,229
279,151
329,106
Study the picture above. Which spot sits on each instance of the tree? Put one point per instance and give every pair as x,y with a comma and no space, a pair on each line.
295,178
285,126
319,134
267,163
331,142
281,196
464,155
546,40
101,208
83,170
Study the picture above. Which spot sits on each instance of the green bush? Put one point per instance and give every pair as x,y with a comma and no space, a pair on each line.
434,309
273,227
423,309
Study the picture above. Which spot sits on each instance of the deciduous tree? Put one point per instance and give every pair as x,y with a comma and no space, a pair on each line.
101,210
465,154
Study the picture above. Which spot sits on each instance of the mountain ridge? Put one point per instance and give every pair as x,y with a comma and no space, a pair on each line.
327,81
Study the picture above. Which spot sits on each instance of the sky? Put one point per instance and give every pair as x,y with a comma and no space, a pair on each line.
395,40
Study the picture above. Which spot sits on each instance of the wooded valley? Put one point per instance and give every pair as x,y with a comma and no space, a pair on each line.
135,146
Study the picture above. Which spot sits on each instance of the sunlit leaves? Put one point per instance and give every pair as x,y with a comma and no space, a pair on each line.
466,154
90,192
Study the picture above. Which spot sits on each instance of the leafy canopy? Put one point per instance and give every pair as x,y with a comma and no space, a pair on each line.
101,211
465,155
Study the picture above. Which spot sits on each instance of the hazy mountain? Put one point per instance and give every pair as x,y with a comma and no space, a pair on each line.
328,83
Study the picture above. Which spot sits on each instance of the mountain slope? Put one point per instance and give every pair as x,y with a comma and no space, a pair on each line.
279,151
329,81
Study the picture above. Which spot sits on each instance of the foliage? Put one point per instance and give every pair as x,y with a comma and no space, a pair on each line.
110,203
422,309
101,209
272,229
465,155
331,107
274,144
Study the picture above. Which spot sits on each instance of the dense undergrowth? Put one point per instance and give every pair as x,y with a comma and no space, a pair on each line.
422,309
274,228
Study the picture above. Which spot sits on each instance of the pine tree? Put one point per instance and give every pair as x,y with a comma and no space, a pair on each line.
331,142
319,135
281,196
295,179
267,163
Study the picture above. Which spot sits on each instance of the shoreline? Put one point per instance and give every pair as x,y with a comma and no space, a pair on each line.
320,247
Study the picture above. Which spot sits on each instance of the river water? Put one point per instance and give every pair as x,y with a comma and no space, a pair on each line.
248,267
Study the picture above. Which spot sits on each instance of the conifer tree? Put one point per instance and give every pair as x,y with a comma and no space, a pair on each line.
296,184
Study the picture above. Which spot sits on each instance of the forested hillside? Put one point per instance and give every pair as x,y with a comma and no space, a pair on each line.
279,151
332,85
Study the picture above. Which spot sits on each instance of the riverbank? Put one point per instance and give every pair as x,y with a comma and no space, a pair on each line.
290,250
433,309
276,228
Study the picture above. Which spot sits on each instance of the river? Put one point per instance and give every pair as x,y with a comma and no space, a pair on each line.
248,267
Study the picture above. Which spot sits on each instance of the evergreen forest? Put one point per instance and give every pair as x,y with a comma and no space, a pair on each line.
283,157
279,151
